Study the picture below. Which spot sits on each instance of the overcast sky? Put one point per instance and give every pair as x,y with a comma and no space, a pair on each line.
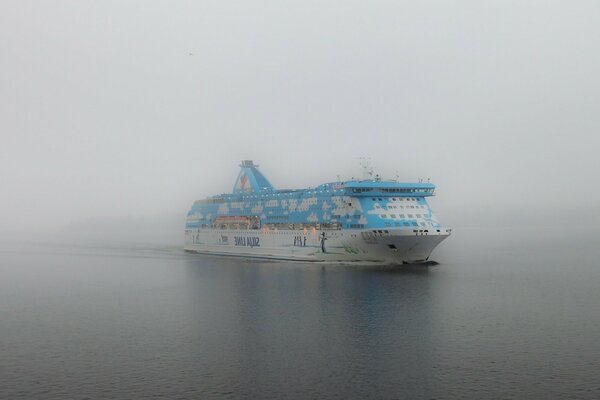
114,109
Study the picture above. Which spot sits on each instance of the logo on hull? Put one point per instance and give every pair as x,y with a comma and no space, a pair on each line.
249,241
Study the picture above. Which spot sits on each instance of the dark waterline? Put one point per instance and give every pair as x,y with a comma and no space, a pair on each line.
509,313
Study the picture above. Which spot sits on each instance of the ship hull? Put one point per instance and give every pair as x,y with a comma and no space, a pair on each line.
390,246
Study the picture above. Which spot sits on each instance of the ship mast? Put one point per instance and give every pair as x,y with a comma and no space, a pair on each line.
367,168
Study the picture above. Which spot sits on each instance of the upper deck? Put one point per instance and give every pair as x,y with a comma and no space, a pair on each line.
388,188
354,188
352,204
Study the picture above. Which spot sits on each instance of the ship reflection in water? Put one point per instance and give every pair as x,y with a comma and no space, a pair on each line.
509,313
307,330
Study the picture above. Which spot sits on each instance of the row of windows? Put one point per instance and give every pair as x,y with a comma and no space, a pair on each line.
397,190
393,190
401,216
308,225
356,226
412,223
311,206
237,226
396,199
299,194
377,206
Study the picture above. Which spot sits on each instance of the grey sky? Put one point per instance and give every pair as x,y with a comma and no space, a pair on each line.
105,113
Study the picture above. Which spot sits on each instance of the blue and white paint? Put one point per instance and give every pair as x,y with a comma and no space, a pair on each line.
351,215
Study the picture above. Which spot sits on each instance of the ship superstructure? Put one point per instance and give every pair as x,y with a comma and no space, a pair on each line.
368,220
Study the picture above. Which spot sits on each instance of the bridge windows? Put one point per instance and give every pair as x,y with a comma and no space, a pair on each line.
356,226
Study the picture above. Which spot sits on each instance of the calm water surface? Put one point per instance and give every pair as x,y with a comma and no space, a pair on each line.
510,313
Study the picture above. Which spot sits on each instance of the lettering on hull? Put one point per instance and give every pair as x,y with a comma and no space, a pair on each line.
300,241
248,241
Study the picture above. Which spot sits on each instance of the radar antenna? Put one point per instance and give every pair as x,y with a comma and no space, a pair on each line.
367,169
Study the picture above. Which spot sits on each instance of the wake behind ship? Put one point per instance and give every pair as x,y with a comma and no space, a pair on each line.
371,220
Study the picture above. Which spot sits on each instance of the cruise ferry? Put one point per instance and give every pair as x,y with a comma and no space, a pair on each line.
365,221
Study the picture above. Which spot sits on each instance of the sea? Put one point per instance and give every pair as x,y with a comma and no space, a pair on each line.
501,313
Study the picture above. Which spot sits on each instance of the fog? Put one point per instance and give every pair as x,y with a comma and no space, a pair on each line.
121,112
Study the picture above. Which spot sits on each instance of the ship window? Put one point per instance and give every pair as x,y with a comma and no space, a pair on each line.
393,216
414,224
401,215
410,215
380,199
383,216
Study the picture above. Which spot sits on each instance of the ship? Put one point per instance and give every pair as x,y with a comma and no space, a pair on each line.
367,220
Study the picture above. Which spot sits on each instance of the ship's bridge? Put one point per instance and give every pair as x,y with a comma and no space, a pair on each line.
388,188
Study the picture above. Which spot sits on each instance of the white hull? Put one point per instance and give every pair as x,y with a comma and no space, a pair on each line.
390,246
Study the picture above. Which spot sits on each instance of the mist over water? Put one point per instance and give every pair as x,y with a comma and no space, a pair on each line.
115,116
506,313
119,110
